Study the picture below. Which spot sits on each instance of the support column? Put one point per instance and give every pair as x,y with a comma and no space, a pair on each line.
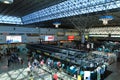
83,38
82,35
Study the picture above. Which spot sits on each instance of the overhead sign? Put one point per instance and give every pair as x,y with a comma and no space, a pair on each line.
49,38
13,39
38,51
71,37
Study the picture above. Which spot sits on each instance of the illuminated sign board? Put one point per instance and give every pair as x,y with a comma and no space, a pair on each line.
92,35
13,39
38,51
49,38
71,37
46,53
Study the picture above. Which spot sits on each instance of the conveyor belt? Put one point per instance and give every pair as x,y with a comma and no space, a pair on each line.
51,54
67,57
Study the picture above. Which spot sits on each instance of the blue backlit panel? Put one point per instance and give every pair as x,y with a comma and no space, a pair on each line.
70,8
10,19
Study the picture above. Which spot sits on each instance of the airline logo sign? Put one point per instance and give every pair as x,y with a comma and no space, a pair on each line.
49,38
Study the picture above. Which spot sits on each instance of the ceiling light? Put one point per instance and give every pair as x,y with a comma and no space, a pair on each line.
105,19
7,1
56,24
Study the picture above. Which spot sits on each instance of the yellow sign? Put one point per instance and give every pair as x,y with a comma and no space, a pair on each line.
46,53
38,51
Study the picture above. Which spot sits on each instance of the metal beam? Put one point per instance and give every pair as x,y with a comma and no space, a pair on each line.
71,8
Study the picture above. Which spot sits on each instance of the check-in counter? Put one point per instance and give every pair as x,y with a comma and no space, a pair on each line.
111,56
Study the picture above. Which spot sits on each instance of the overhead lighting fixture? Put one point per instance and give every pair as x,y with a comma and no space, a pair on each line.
7,1
56,24
105,19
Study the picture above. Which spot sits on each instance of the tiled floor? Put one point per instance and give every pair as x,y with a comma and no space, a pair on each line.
12,72
115,68
19,72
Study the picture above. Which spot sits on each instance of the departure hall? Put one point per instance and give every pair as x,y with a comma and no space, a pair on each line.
59,40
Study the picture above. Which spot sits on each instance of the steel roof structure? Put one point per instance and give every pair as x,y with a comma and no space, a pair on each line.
71,13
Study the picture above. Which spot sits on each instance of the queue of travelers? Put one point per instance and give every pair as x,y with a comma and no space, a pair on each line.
14,58
11,54
37,62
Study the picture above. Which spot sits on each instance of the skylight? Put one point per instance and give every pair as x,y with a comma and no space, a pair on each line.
70,8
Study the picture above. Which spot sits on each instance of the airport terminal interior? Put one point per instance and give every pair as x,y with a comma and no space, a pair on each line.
59,39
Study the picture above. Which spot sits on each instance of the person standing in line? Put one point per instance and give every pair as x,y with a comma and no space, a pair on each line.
55,76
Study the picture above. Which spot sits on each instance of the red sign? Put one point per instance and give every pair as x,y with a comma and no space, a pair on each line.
71,37
49,38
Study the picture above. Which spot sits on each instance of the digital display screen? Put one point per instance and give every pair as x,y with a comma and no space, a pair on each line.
13,39
49,38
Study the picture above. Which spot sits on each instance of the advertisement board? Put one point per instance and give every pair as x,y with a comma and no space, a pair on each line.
71,37
49,38
13,39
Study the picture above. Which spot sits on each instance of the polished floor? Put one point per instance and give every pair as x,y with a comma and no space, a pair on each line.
20,72
115,68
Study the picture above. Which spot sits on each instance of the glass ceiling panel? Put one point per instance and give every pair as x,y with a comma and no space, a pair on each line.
70,8
10,19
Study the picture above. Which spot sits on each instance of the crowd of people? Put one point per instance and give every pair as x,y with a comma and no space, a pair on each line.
14,58
11,53
37,61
